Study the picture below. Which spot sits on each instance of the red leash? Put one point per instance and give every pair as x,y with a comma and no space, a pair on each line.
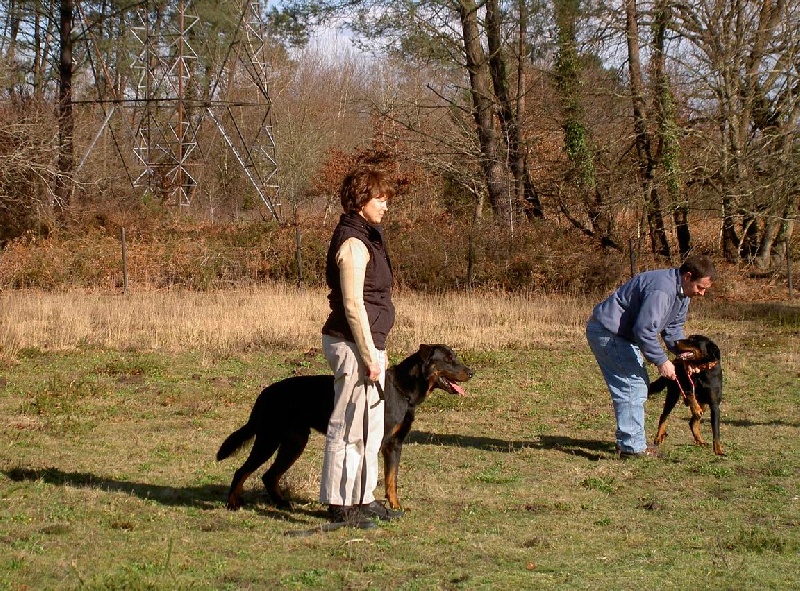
699,368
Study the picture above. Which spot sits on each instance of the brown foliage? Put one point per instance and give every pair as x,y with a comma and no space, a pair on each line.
430,251
27,174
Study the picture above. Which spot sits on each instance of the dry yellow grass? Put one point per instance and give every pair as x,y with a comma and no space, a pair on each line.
275,315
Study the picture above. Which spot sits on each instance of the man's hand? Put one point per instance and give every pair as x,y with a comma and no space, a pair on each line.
667,370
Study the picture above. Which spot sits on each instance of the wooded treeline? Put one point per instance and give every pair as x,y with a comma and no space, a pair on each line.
613,120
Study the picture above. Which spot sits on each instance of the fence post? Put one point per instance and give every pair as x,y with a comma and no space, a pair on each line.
124,265
632,255
471,261
298,255
789,265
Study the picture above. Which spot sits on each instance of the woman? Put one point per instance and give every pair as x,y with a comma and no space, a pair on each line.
359,275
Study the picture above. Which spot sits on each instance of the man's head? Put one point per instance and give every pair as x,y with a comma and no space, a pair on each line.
697,275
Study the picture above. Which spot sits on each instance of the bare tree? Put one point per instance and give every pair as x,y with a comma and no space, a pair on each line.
467,39
66,122
646,158
509,113
481,92
577,135
668,145
743,61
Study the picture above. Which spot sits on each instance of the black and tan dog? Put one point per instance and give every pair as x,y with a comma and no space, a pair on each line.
699,371
286,411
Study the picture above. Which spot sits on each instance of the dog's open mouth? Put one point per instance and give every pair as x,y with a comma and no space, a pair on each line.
686,352
450,386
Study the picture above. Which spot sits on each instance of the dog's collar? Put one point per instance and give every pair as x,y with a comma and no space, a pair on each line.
382,389
402,391
706,366
701,367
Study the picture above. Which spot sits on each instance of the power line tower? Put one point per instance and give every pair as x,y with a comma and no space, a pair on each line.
171,108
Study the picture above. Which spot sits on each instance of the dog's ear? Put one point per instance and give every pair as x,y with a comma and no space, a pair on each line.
713,351
425,352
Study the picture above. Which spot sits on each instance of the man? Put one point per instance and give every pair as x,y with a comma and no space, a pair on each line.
624,331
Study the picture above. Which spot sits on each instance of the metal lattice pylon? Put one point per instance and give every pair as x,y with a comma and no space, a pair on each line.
166,110
165,137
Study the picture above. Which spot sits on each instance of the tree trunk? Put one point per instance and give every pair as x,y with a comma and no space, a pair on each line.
668,153
730,239
577,141
772,246
66,123
480,88
38,56
647,162
772,228
13,21
534,209
524,190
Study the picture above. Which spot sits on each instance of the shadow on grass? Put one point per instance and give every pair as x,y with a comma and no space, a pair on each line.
749,423
590,449
207,497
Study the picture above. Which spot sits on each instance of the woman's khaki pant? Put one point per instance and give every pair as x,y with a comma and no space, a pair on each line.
355,429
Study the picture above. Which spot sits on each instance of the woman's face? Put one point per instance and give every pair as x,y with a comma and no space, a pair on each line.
374,209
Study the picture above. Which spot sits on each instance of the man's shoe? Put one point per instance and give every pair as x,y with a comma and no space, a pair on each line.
351,516
649,452
377,510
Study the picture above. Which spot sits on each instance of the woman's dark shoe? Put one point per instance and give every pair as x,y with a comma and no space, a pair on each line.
377,510
351,516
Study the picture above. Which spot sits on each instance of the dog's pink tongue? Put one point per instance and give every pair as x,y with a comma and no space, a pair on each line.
459,390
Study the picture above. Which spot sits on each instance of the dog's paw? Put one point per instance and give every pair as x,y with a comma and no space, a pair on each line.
696,409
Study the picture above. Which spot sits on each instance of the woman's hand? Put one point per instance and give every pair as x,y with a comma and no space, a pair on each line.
374,372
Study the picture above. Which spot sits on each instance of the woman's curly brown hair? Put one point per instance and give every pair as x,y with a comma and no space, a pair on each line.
362,184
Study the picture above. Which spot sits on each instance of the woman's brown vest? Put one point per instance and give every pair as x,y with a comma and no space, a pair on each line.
377,281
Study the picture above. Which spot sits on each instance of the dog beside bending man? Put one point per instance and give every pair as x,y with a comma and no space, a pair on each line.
699,383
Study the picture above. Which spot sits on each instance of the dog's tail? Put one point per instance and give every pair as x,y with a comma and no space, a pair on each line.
657,386
235,440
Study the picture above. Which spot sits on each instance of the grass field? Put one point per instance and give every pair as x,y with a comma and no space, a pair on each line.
112,409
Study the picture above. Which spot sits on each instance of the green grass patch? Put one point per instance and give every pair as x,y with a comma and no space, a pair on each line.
108,478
